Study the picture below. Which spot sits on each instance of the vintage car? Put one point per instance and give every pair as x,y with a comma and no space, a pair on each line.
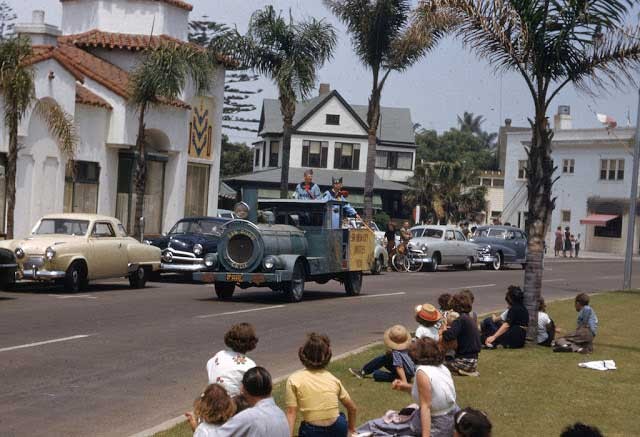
8,268
500,245
77,248
292,242
443,245
190,246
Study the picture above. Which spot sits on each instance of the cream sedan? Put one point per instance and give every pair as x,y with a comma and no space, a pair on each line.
78,248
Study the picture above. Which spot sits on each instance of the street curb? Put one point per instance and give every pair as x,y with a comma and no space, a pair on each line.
177,420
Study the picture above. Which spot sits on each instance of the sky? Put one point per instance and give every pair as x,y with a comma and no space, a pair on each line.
447,82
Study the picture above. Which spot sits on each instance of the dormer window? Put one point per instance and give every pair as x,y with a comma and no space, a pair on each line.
333,119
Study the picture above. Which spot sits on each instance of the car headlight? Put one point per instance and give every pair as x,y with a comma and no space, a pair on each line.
210,260
423,248
197,249
147,242
49,253
269,263
19,253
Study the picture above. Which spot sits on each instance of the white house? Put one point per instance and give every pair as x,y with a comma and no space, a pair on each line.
594,185
494,181
84,67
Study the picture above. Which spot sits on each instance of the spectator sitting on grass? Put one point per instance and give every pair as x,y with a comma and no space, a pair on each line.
429,322
580,340
471,423
464,331
396,360
263,418
546,327
579,429
472,299
228,366
212,409
513,331
444,301
316,393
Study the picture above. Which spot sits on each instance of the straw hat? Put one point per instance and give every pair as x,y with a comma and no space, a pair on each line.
397,337
428,313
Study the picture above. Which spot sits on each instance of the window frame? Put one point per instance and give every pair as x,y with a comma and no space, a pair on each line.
564,213
392,160
256,157
274,162
522,169
568,166
79,176
338,156
95,226
332,119
307,155
612,170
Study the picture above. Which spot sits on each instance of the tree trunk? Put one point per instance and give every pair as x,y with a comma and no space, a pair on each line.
12,161
373,118
288,109
140,177
540,181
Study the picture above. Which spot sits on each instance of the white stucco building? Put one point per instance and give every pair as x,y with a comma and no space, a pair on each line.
594,185
494,181
84,67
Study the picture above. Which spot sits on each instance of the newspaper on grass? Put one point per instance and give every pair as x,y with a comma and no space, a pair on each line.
599,365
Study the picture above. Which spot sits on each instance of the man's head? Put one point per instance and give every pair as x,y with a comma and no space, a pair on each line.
308,176
256,385
337,183
406,224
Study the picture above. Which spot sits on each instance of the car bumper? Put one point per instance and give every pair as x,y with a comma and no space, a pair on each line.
40,275
424,259
182,268
486,258
247,279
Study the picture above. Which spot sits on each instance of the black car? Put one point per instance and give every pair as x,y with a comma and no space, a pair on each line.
500,245
191,245
8,268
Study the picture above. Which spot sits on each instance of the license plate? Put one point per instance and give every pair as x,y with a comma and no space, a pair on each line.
232,277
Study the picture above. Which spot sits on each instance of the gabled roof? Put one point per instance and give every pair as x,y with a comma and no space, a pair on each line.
86,97
396,127
178,3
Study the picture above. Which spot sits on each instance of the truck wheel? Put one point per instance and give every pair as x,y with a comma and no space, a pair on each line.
224,290
294,289
75,279
353,283
377,266
138,279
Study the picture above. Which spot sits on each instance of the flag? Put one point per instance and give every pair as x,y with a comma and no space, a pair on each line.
609,122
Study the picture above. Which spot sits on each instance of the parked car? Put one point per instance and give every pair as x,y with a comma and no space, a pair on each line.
500,245
8,268
190,246
78,248
293,242
443,245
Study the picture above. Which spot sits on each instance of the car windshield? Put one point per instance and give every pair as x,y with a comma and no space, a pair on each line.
210,227
62,227
432,233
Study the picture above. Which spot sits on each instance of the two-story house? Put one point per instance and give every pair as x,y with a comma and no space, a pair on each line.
330,136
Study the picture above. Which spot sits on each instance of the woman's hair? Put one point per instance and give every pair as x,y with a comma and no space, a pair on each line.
579,429
469,294
214,406
460,303
444,300
472,423
426,352
542,306
315,354
241,338
514,295
257,382
582,299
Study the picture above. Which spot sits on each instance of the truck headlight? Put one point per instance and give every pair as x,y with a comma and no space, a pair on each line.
197,249
210,260
19,253
49,253
269,263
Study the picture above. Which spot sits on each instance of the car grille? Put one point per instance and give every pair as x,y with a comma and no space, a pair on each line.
172,256
37,261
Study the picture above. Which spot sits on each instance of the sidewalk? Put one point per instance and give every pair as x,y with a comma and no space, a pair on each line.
588,255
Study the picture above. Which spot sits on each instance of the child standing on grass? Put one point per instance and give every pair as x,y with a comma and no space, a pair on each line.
396,361
429,322
580,340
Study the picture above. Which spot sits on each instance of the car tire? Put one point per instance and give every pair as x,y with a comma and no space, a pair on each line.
75,279
524,266
138,279
497,263
468,265
294,289
435,262
7,280
378,266
353,283
224,290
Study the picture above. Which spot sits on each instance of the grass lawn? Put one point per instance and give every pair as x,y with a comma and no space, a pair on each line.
531,392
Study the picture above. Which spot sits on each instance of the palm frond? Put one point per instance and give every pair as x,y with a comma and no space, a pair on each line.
60,124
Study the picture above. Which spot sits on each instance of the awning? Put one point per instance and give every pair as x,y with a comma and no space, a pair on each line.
598,219
226,192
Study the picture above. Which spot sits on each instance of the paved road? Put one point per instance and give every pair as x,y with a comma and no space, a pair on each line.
128,360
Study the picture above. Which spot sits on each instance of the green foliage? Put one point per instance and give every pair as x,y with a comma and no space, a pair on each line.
236,158
17,84
455,145
382,219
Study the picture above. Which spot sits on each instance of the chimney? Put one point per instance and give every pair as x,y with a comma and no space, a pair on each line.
562,120
39,32
325,89
507,122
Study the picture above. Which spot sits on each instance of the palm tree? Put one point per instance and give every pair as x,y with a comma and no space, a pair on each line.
385,42
17,87
288,53
469,122
159,78
550,44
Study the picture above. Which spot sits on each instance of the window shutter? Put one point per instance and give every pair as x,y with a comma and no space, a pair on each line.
356,159
305,156
337,156
323,155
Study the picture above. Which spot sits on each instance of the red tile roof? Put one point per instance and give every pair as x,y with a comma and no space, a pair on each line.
178,3
86,97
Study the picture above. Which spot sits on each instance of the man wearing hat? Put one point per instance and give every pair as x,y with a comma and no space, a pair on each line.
307,190
397,361
336,193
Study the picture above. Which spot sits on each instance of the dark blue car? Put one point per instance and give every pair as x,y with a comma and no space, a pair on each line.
191,245
500,245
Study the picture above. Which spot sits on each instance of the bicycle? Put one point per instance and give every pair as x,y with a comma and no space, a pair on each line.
407,259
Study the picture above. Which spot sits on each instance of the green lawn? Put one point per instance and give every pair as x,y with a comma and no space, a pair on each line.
532,392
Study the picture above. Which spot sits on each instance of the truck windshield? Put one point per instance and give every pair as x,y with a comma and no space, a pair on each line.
62,227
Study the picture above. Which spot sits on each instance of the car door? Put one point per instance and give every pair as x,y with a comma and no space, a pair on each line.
466,248
449,248
520,246
108,257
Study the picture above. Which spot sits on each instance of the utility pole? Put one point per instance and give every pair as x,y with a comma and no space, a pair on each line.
628,258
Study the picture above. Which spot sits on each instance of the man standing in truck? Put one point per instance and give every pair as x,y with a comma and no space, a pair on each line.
307,190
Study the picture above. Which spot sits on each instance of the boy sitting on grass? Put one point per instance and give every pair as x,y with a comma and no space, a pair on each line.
580,340
397,361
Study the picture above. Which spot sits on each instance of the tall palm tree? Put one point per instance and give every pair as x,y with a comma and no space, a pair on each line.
290,54
385,41
550,44
469,122
17,87
160,77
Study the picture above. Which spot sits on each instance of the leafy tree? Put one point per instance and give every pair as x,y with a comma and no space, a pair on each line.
289,53
473,124
236,158
7,20
384,42
160,77
455,145
17,88
549,44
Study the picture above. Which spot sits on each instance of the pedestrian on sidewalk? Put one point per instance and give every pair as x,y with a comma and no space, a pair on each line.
577,245
567,243
557,247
